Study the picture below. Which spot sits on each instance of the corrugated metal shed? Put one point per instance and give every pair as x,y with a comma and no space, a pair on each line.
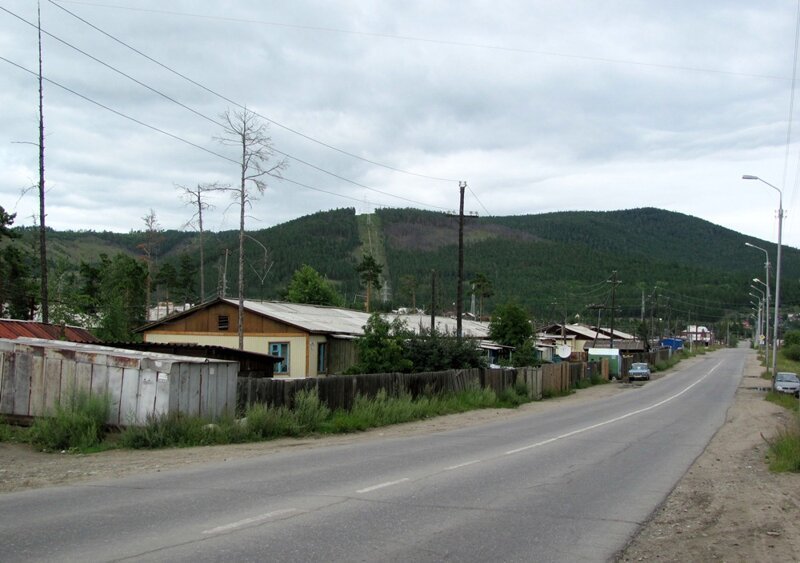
37,374
13,329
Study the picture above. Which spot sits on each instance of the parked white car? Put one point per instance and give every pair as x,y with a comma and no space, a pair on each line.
787,382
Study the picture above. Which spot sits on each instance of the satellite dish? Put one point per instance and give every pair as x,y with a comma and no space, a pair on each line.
563,351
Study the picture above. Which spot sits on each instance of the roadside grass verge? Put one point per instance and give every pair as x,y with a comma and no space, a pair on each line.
76,425
784,449
310,416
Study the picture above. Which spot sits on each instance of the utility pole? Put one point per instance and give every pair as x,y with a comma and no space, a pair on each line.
462,186
460,290
614,283
42,229
433,301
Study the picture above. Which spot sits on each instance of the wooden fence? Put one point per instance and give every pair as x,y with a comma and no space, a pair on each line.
340,391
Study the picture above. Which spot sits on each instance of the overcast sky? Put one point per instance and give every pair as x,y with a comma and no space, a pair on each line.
540,106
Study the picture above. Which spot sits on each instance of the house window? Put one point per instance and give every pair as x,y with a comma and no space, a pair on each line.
280,349
322,357
222,322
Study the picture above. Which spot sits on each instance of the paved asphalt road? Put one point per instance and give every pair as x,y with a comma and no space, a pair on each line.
571,484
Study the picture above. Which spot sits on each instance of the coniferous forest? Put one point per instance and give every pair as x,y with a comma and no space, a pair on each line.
671,269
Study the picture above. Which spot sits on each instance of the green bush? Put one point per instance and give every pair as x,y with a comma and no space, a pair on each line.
792,352
78,425
309,413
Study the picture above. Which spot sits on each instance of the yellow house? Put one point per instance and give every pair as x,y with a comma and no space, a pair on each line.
312,340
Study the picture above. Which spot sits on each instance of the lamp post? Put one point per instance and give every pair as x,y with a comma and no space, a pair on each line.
766,287
762,316
759,317
777,271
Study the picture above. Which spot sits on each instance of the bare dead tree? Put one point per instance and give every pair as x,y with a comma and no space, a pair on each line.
150,247
245,131
197,197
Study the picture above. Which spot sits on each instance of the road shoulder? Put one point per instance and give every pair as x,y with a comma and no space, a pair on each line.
728,506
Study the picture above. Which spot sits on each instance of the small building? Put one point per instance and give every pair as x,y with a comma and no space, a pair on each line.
38,374
578,336
698,335
313,340
612,355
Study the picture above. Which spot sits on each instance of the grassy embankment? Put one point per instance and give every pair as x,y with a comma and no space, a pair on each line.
784,449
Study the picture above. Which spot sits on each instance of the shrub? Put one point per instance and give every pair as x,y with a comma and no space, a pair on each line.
792,352
78,425
309,413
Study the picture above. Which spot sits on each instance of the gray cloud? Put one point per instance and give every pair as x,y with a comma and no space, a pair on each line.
541,106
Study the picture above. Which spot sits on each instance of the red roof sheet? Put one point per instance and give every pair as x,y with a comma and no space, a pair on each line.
12,329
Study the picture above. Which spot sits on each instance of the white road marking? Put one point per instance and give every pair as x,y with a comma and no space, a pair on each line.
253,520
382,485
460,465
611,421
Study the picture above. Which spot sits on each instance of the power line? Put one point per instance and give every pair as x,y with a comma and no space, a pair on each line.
171,135
237,104
216,122
471,45
119,113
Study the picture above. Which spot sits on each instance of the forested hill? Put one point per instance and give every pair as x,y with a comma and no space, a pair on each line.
555,264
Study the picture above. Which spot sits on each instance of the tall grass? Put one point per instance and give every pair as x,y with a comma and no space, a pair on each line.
311,416
784,449
6,434
75,425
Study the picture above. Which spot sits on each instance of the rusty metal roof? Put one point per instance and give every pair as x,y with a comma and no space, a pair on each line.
13,329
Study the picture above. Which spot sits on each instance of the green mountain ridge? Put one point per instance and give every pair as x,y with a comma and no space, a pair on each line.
554,264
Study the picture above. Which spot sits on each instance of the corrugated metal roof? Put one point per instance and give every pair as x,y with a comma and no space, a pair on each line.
586,332
470,329
12,329
313,318
321,319
617,333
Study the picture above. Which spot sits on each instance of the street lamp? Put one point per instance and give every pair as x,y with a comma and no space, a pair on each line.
766,285
762,316
777,271
766,316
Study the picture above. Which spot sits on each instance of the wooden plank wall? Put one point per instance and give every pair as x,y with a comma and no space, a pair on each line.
34,379
340,392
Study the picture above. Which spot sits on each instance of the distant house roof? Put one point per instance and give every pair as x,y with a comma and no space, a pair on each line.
13,329
617,333
622,344
583,332
250,363
313,318
469,328
336,321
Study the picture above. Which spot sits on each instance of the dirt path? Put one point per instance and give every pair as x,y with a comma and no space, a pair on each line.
728,507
